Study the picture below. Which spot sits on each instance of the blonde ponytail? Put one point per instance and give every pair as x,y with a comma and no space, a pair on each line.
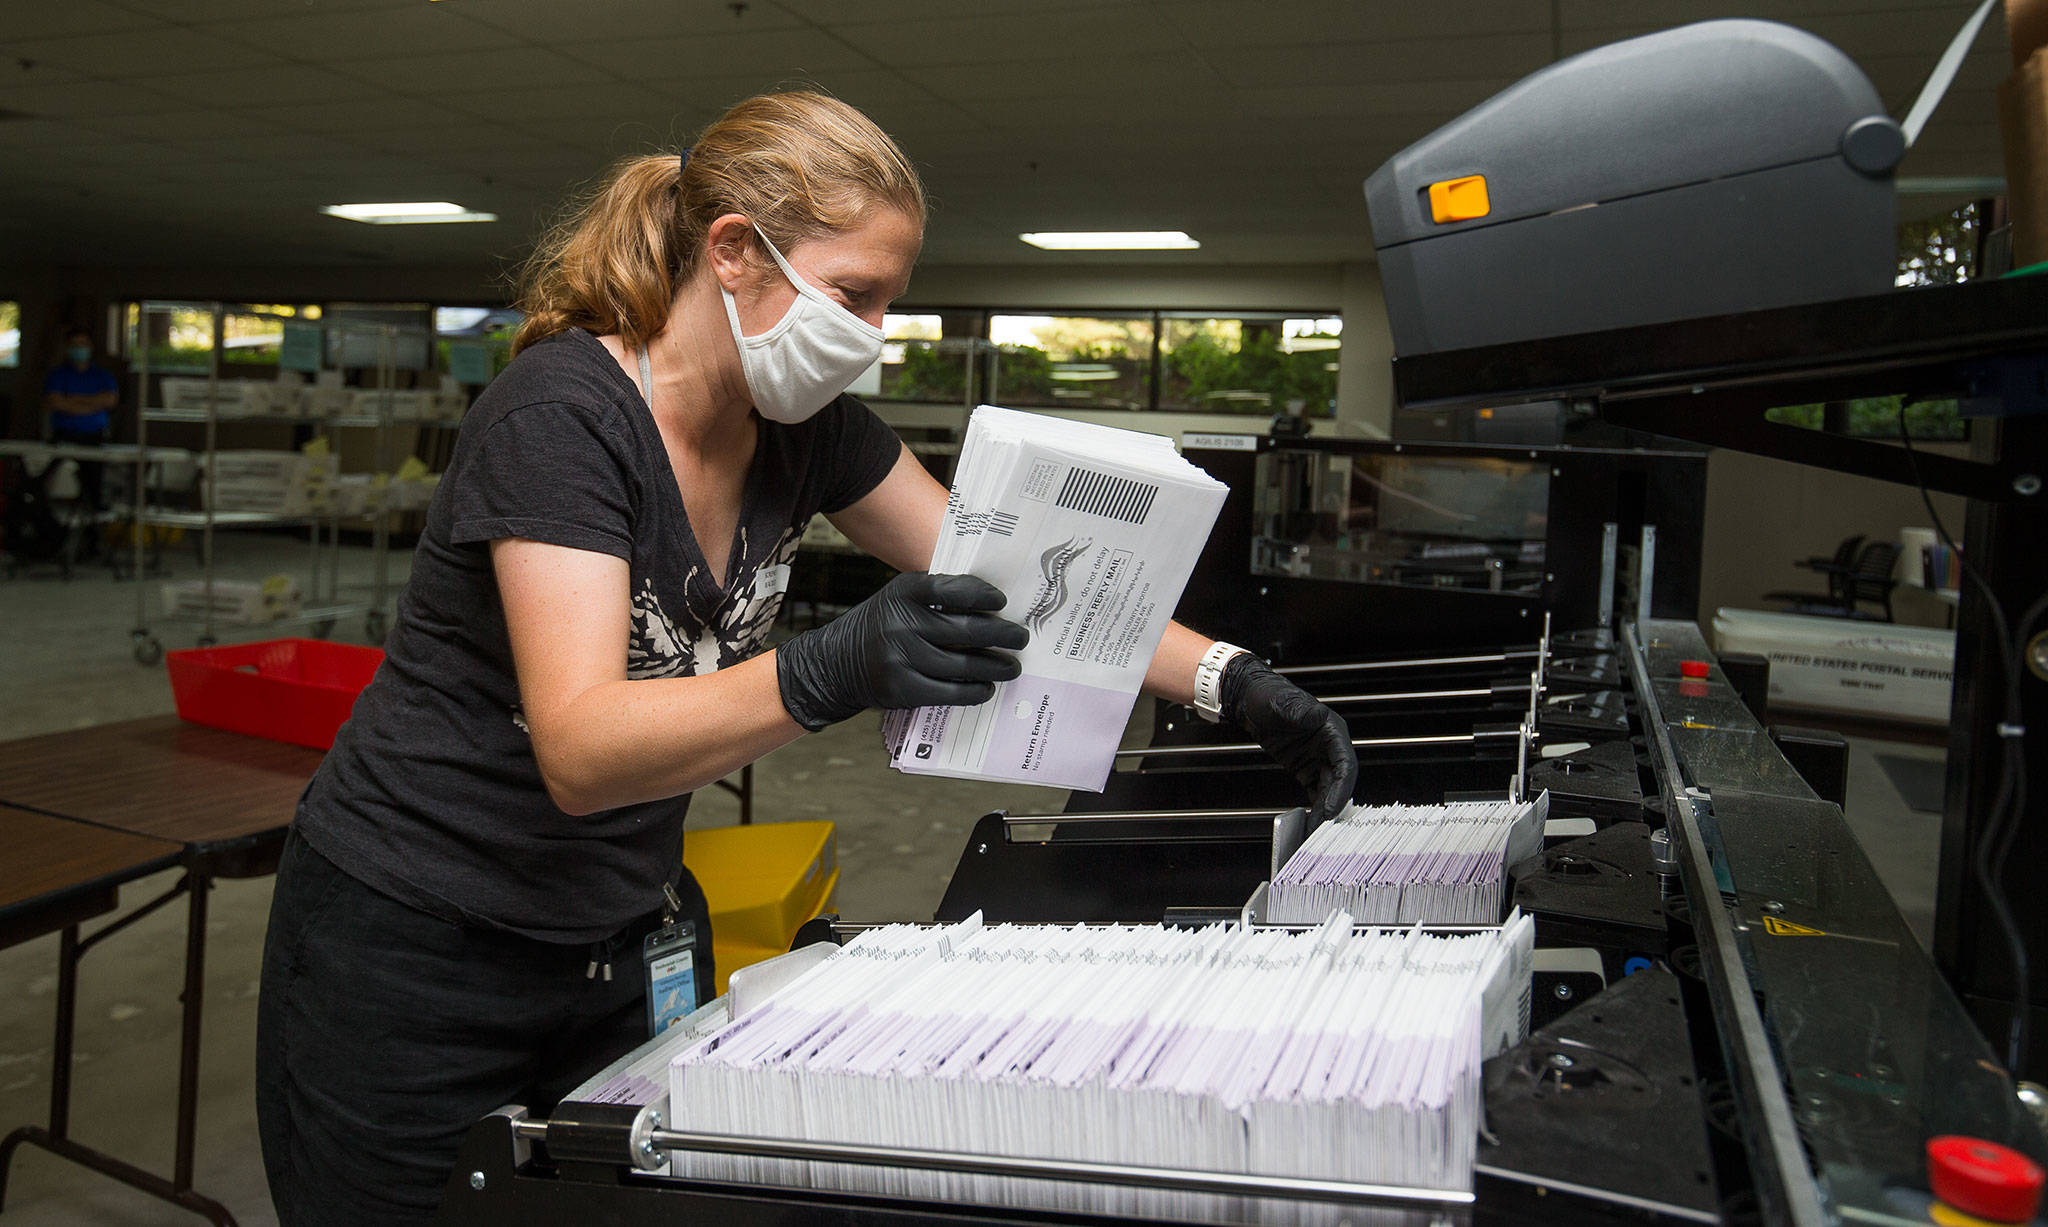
800,165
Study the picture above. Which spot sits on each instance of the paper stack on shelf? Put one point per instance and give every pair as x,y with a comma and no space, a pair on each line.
1091,533
275,483
1403,864
234,600
1332,1053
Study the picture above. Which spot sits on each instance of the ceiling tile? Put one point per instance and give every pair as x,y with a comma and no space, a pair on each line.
48,134
1662,14
1228,24
36,20
677,61
552,22
1483,57
224,10
1119,78
376,110
985,38
277,148
543,103
839,12
456,72
182,125
321,37
1302,102
72,99
275,85
14,76
155,50
618,138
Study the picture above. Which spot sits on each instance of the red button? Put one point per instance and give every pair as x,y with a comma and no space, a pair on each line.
1983,1178
1692,668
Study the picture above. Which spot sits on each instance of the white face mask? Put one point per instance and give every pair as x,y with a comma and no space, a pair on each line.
812,354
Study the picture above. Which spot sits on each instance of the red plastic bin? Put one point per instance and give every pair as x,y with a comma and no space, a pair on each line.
292,690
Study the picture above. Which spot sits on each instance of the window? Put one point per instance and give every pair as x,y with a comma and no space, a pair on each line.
1198,362
179,340
931,356
1877,417
254,334
1250,364
1073,361
10,334
472,344
368,335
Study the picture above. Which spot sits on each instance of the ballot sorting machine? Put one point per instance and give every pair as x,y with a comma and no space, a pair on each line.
1695,893
1731,1022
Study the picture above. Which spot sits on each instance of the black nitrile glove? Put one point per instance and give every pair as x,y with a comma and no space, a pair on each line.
1301,734
923,639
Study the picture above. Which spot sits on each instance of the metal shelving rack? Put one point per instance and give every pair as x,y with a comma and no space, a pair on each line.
324,607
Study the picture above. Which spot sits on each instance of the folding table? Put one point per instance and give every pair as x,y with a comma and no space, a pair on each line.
83,812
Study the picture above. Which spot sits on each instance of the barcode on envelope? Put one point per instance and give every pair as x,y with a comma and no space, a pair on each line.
968,523
1115,498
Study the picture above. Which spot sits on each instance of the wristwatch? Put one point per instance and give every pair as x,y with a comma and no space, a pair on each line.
1209,679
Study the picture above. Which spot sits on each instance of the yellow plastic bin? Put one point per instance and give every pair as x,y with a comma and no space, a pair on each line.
763,882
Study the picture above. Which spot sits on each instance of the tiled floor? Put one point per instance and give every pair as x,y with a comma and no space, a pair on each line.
65,662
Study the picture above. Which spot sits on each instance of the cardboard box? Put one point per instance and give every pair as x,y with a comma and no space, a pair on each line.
2023,124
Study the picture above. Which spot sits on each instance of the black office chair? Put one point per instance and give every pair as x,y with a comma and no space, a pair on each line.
1869,580
1835,570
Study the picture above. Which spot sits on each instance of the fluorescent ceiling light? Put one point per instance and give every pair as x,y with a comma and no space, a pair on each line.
1112,240
412,213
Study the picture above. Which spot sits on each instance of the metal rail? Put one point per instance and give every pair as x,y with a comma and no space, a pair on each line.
1778,1160
1430,662
1402,696
1123,1175
1143,815
1357,743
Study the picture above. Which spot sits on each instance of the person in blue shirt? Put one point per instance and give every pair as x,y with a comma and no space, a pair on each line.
79,397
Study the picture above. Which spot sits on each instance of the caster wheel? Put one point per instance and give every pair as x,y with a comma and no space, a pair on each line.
148,650
373,625
323,628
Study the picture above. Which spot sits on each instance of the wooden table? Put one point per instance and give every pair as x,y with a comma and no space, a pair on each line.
84,811
58,872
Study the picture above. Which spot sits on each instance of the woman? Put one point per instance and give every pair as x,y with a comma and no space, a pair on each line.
460,903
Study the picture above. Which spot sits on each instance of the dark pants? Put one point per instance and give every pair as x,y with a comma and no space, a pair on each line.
91,473
383,1034
92,477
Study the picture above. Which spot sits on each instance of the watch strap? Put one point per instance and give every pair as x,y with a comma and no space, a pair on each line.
1209,679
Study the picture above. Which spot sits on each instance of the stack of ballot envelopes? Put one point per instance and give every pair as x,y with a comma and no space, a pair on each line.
1334,1053
1404,864
1091,533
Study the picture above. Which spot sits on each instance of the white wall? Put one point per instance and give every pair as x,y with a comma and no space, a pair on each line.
1365,378
1171,287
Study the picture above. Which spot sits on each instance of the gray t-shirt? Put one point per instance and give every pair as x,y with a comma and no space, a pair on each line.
431,793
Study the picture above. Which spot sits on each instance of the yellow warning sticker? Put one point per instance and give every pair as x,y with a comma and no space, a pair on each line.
1785,928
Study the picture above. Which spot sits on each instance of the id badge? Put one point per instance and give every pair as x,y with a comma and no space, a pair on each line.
670,957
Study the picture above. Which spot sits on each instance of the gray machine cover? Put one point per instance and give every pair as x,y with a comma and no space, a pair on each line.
1720,167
